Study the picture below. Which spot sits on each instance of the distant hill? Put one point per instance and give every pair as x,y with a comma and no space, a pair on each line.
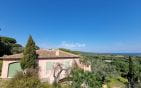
95,54
121,54
126,54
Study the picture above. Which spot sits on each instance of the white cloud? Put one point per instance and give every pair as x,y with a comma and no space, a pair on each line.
72,45
64,44
114,47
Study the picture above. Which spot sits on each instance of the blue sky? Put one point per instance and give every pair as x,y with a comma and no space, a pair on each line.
88,25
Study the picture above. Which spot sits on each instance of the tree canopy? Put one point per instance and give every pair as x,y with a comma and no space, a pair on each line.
8,40
9,46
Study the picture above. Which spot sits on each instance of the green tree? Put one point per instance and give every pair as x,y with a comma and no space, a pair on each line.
137,73
8,40
29,55
121,66
9,46
131,74
85,79
1,48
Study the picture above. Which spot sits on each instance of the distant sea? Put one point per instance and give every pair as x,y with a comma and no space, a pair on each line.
125,54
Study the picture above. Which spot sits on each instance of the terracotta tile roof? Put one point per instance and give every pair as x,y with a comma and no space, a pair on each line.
44,54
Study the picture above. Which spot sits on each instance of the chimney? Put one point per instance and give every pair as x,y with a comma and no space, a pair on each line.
57,52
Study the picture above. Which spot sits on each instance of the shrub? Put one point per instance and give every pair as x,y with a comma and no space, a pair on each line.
47,85
28,80
0,67
2,83
123,80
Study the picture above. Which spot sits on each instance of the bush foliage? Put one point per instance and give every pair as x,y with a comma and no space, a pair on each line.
24,81
28,80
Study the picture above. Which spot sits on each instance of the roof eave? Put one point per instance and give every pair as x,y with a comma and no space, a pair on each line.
41,58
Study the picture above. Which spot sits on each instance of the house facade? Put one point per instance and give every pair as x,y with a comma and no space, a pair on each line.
47,60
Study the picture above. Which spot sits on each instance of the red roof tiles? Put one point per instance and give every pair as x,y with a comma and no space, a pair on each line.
44,54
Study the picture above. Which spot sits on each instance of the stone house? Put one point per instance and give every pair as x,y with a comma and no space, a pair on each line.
47,60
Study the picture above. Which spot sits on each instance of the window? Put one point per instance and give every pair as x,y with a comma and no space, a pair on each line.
13,69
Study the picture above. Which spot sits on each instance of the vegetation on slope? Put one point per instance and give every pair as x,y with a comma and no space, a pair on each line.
108,67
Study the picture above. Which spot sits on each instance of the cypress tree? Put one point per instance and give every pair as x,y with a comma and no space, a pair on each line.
29,55
131,74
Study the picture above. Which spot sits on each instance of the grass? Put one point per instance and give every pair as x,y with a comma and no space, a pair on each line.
116,83
2,83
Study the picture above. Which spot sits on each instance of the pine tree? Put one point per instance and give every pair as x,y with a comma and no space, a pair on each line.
29,55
